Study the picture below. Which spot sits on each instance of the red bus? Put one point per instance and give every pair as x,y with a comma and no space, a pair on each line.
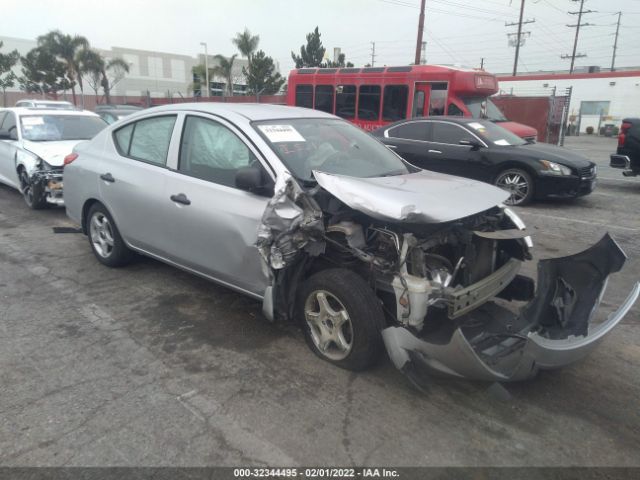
372,97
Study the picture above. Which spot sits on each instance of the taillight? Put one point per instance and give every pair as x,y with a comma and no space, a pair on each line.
623,133
70,158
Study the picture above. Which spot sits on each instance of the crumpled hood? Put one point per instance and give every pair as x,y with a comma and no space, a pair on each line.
421,197
51,152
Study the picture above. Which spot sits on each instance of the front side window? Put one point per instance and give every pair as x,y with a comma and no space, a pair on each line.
9,122
147,140
212,152
394,106
346,101
331,146
324,98
51,128
455,111
304,96
369,102
449,133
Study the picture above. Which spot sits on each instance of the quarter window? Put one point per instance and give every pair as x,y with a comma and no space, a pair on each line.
394,106
369,102
324,98
449,133
212,152
304,96
147,140
346,101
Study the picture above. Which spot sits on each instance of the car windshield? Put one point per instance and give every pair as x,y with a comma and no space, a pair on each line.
329,145
481,107
51,128
495,134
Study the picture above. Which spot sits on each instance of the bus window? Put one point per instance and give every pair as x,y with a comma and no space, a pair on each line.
437,99
346,101
455,111
324,98
304,96
369,102
394,106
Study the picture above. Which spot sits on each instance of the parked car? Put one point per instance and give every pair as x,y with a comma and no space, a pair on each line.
113,113
484,151
33,144
627,155
48,104
318,220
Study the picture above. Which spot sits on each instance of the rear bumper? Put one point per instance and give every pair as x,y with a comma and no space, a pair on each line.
623,162
552,331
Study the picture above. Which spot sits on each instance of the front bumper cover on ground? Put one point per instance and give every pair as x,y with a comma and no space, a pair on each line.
553,330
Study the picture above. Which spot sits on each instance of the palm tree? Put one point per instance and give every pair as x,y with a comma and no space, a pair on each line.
246,44
118,68
66,47
225,69
91,65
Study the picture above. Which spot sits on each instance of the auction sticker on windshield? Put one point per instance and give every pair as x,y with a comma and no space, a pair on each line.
281,133
31,121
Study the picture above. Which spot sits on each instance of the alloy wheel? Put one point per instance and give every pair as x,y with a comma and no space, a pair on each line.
330,325
101,234
516,184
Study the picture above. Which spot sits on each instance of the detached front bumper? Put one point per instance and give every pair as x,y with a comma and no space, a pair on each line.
553,330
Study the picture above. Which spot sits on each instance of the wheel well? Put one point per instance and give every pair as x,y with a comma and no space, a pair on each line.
509,164
85,210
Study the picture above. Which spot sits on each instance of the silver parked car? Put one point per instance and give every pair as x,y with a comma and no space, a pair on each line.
33,145
325,225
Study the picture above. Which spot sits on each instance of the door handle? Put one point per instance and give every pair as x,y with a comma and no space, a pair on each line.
107,177
180,198
435,151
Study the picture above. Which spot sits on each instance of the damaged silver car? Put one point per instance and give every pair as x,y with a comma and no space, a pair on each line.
33,145
327,227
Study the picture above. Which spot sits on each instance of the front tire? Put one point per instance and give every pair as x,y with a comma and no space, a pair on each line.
32,193
105,239
341,318
518,183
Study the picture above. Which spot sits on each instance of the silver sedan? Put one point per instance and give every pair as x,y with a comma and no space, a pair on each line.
327,227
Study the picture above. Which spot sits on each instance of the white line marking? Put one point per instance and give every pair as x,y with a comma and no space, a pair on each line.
566,219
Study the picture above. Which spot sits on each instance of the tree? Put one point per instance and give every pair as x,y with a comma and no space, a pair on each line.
312,54
246,44
42,73
91,65
66,47
225,69
262,78
113,72
7,77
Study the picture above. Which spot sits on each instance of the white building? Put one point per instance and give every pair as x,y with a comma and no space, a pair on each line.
596,99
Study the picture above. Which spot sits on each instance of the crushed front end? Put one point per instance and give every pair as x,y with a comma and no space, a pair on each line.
49,181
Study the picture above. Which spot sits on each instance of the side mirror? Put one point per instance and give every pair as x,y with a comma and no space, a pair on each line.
474,144
252,179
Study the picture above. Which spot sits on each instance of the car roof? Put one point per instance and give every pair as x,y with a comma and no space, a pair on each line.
251,111
36,100
445,118
47,111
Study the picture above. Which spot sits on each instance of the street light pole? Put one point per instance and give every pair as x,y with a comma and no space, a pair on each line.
206,68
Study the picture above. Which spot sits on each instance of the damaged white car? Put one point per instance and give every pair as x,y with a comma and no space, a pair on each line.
329,228
33,145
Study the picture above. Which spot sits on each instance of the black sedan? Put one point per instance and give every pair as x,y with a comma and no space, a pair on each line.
484,151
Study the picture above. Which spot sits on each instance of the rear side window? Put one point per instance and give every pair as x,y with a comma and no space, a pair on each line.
147,140
395,102
304,96
324,98
369,102
411,131
346,101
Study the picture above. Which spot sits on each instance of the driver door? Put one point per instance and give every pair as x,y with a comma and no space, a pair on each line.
213,225
421,96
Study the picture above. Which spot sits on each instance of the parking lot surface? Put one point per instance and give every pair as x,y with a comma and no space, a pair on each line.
148,365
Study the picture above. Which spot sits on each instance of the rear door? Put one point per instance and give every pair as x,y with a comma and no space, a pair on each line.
447,155
132,179
214,225
409,140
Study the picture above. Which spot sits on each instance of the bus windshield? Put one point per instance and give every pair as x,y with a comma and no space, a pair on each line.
331,146
482,107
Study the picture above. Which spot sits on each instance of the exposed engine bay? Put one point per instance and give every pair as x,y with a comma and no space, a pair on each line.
444,285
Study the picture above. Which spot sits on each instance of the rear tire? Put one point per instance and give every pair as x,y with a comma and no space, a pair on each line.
342,318
518,183
32,193
105,239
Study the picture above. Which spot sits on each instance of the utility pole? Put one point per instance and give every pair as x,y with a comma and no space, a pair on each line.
519,40
420,31
615,44
482,63
577,26
423,56
373,53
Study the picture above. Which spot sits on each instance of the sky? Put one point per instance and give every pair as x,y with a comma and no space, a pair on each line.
459,32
